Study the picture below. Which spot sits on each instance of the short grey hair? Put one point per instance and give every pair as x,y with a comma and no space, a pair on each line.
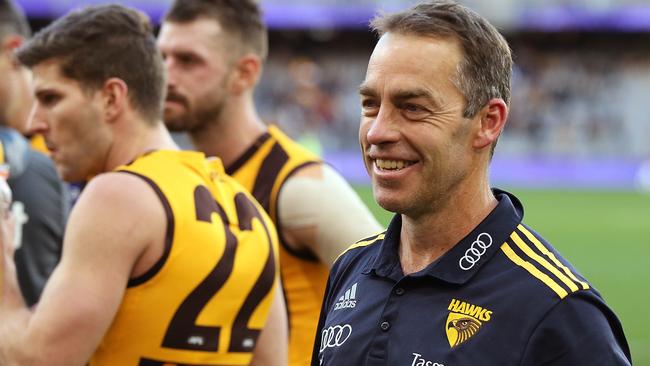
486,69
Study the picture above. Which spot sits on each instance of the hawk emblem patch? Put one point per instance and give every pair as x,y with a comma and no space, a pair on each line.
464,321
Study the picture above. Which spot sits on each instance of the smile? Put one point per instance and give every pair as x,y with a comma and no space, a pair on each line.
392,164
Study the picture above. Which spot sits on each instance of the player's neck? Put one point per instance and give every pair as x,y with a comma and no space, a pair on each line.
425,238
140,138
236,129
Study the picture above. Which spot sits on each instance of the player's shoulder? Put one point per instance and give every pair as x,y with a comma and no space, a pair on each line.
129,192
370,244
537,269
360,253
581,320
290,146
164,160
113,202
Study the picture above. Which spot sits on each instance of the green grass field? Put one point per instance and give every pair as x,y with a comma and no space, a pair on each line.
606,235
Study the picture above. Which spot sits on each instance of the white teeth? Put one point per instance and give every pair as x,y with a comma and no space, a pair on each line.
392,164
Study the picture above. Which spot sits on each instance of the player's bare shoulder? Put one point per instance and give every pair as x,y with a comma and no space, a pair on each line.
120,205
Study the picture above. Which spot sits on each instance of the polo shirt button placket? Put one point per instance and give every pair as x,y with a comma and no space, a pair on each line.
399,291
385,326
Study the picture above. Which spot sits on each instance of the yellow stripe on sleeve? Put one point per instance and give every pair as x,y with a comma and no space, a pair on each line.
553,258
533,271
536,257
363,243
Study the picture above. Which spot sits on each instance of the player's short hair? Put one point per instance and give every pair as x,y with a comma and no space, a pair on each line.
12,20
242,19
486,69
97,43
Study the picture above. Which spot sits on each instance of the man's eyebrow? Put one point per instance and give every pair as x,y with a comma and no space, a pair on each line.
404,95
366,90
41,91
400,96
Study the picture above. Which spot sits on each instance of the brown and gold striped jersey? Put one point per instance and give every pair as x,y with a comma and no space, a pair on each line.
263,169
206,300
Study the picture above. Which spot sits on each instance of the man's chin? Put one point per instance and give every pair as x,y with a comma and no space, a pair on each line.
175,123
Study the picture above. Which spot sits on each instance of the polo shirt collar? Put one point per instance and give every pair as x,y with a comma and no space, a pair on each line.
461,262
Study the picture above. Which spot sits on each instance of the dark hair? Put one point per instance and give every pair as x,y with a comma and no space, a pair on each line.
12,20
486,68
240,18
97,43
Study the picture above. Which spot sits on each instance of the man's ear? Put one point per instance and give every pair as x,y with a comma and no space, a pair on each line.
493,120
9,45
246,73
114,94
12,42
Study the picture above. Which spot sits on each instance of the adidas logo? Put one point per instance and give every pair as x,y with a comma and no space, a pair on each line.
349,300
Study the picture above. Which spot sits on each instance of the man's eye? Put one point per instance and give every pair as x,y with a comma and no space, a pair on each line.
413,108
186,59
48,99
368,103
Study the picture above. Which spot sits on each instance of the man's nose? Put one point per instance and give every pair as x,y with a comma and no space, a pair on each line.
383,128
170,70
37,123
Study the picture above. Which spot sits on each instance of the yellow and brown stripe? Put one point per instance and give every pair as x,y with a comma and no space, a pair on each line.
262,170
527,251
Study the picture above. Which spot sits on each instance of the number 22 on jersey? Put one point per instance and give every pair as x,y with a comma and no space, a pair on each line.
240,258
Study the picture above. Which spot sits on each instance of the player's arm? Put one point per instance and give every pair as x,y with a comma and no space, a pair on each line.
271,348
579,331
319,212
115,219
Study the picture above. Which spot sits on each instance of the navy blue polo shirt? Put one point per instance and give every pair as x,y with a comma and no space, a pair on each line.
501,296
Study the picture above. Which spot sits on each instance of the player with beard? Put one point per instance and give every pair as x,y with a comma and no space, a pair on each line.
214,53
166,260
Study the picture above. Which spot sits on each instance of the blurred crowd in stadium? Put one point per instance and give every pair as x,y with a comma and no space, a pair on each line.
577,100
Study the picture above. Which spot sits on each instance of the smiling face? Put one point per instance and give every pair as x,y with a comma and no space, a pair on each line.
198,64
71,121
417,145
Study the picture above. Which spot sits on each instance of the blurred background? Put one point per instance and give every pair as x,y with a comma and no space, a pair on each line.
576,149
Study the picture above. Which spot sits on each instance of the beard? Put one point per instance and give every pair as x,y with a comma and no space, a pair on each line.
195,117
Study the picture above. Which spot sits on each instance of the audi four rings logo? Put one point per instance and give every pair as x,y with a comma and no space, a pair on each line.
475,252
335,336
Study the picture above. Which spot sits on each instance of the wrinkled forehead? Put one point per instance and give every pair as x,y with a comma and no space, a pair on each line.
422,54
408,62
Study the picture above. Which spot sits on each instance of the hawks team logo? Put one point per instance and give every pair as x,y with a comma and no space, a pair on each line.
464,321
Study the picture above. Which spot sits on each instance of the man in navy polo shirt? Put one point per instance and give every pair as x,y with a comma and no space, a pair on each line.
457,279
